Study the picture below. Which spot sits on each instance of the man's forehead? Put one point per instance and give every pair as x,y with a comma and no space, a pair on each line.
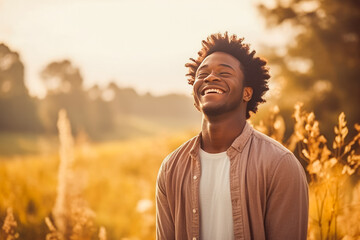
221,59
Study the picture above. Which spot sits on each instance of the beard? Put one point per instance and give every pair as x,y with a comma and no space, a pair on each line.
217,110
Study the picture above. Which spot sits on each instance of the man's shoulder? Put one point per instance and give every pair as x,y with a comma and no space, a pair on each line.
274,155
271,152
269,145
181,152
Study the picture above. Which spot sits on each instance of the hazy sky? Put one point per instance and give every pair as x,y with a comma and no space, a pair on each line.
138,43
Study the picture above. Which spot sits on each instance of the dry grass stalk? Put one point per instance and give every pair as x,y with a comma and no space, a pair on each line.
314,149
327,169
274,125
102,233
82,220
74,220
54,234
9,226
62,204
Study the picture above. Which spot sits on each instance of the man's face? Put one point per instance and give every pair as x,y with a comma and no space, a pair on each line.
218,86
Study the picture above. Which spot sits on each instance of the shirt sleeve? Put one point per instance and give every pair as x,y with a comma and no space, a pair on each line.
165,229
287,201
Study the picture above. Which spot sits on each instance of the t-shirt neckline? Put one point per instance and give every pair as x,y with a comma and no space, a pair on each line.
207,155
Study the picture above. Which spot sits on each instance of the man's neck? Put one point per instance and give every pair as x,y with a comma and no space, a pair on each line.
219,133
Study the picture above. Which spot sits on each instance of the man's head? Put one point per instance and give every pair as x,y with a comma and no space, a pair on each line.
251,71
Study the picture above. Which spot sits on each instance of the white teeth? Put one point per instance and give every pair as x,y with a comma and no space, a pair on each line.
213,90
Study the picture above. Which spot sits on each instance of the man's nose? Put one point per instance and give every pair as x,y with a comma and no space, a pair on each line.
211,77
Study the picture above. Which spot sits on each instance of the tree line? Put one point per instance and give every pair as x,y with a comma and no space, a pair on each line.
110,111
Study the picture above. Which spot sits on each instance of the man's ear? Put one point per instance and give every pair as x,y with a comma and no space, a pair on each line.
197,106
247,94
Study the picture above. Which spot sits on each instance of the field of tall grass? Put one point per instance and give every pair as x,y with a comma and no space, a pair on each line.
86,191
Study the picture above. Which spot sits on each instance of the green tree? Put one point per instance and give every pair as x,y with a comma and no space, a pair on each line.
321,64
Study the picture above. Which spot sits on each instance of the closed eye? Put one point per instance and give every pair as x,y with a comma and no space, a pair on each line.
202,75
225,74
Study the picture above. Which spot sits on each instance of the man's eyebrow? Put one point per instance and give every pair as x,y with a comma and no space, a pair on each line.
203,66
221,64
228,66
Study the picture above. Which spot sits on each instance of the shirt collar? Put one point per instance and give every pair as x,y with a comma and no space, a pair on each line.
238,144
194,151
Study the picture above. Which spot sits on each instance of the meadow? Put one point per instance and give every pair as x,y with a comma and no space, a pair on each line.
71,188
114,182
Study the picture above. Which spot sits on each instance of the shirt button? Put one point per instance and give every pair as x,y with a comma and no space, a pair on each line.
194,210
194,177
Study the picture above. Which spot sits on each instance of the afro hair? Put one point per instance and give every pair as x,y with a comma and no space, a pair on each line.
255,71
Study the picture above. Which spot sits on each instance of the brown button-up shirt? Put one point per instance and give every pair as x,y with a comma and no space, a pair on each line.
268,187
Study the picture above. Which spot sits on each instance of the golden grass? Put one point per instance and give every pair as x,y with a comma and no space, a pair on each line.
114,180
107,190
334,188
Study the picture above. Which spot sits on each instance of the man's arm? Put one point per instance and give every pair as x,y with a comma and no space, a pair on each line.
165,229
287,202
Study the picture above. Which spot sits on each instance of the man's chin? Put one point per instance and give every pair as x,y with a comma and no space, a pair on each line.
212,110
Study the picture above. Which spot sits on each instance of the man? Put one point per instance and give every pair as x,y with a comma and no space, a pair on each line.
230,181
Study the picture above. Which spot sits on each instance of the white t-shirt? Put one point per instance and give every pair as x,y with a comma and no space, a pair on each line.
216,220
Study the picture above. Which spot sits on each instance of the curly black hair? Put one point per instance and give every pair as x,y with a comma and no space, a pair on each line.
255,72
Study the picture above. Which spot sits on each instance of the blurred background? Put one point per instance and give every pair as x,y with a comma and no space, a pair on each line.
116,68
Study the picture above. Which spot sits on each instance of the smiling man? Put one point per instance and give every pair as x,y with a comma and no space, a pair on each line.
230,181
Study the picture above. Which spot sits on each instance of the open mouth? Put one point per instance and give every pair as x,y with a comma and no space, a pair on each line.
212,91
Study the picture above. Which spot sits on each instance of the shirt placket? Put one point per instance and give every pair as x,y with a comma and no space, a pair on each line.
195,179
236,195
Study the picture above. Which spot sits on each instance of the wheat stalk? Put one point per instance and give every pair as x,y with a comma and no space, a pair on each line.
9,226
